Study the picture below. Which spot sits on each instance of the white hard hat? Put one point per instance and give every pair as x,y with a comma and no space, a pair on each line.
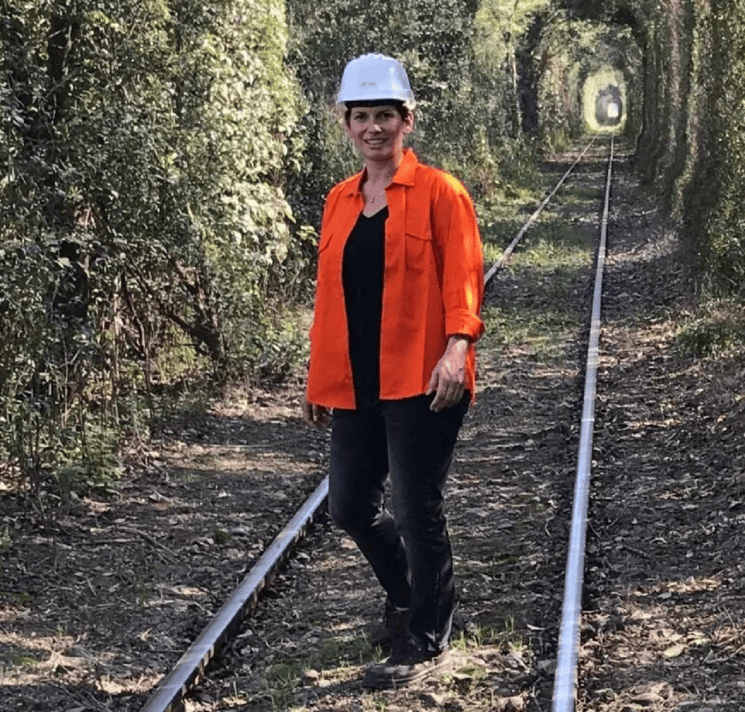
375,76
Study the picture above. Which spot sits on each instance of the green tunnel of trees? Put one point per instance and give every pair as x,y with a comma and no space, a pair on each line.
164,164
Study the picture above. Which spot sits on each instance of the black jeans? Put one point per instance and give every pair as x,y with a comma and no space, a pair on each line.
410,554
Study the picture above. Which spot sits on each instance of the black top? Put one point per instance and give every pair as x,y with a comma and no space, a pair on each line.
362,276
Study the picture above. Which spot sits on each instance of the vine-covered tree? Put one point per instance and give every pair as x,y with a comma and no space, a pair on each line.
142,215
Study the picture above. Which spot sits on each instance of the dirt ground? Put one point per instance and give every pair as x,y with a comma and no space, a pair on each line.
98,600
665,587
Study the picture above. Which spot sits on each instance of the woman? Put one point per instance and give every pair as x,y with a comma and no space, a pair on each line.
398,296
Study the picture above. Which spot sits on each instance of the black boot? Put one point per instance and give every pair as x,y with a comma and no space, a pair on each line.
411,661
394,626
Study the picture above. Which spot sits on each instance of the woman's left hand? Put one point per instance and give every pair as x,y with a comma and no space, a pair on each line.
449,376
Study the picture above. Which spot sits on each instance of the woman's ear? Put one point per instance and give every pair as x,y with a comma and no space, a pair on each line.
345,125
409,122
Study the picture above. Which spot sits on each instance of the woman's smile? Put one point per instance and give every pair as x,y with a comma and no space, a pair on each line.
378,131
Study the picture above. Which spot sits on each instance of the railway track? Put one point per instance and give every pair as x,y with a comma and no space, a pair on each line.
487,460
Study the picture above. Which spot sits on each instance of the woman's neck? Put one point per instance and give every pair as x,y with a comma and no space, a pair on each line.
381,174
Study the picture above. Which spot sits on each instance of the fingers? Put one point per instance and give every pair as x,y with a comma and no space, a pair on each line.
315,415
448,394
321,416
447,382
440,401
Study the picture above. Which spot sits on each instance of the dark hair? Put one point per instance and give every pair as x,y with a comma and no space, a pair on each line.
400,106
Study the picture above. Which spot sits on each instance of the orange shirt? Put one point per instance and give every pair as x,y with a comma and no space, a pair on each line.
432,286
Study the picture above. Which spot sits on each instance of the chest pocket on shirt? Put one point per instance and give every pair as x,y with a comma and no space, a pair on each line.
419,244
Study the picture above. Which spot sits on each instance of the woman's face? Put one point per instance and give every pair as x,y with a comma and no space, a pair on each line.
378,131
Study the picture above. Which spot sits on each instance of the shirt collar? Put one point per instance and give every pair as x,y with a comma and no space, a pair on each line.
404,174
407,169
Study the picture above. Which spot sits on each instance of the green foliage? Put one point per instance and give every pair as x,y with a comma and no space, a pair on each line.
721,211
143,224
148,147
719,327
688,96
578,58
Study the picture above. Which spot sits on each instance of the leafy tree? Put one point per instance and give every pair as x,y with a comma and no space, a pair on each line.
142,213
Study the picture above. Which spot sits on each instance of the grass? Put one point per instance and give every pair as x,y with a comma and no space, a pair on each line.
341,660
542,333
585,197
549,264
17,597
718,327
6,539
552,242
503,634
338,658
17,657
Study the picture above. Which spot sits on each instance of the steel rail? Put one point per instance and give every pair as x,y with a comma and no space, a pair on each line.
510,248
189,668
565,678
171,690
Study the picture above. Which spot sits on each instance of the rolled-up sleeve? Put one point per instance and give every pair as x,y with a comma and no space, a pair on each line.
458,241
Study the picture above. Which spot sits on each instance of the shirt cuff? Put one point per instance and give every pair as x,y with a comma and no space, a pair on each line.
466,325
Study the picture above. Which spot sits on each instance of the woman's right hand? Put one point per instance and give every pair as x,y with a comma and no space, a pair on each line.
316,415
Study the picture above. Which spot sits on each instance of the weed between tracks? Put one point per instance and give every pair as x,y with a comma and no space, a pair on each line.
288,684
339,658
531,316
